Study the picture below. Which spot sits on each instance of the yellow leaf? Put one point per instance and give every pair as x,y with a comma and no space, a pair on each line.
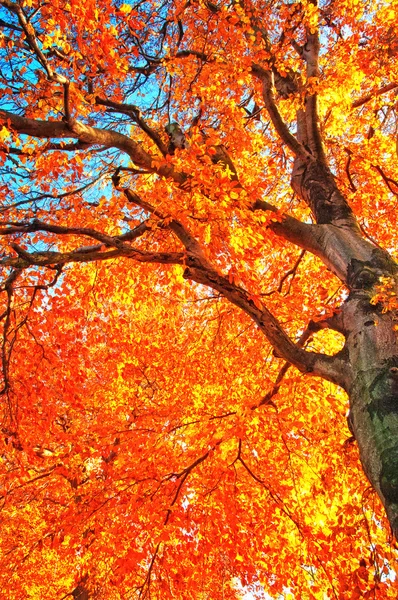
4,133
126,9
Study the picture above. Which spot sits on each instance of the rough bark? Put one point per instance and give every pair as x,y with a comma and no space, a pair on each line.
372,345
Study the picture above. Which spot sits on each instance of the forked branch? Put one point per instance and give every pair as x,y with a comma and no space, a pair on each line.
31,39
265,76
133,111
197,268
91,136
334,369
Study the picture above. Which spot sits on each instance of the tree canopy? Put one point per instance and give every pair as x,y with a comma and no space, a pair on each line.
198,236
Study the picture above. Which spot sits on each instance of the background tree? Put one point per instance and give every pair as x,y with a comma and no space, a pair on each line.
198,235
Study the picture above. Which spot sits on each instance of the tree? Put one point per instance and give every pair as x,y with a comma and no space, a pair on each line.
198,233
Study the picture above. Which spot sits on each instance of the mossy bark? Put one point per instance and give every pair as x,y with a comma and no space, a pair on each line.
372,345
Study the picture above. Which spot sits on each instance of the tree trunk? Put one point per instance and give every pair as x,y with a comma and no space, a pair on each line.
371,341
369,322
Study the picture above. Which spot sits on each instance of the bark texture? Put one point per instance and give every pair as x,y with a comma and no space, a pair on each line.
372,343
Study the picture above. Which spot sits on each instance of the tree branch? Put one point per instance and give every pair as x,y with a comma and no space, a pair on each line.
50,258
91,136
10,26
134,112
383,90
334,369
203,272
281,128
186,238
32,41
198,269
310,53
301,234
106,240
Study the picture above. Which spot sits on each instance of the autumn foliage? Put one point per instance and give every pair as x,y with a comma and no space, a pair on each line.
162,431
